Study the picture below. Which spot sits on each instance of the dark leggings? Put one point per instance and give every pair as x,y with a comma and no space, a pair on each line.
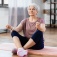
37,38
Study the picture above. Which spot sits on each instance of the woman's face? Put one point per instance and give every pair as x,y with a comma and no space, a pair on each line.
32,11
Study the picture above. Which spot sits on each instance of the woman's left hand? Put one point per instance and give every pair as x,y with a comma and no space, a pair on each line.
37,25
40,27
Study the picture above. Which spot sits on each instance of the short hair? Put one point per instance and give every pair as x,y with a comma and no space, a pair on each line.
35,5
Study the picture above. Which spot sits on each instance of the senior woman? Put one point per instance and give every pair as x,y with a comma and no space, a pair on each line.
33,28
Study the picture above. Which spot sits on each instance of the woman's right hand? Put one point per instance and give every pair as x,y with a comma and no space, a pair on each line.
9,27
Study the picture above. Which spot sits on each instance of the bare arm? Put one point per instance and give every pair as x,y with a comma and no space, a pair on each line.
41,26
18,28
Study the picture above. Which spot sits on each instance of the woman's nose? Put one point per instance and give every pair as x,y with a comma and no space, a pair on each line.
31,10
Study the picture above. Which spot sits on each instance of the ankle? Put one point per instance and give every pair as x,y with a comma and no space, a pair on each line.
24,48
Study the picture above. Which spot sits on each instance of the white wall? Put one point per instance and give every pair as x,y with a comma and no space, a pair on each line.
3,17
47,16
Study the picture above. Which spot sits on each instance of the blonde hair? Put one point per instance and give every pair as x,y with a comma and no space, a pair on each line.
35,5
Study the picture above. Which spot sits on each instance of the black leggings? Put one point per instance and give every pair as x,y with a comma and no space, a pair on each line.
37,38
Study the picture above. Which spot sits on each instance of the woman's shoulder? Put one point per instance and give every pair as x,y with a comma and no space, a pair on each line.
24,20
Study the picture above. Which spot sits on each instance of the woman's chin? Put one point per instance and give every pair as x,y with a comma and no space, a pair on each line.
32,15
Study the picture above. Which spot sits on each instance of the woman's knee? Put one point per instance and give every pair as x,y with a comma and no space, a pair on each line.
38,33
37,36
14,33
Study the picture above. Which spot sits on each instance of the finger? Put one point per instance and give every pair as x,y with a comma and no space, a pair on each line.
6,26
37,23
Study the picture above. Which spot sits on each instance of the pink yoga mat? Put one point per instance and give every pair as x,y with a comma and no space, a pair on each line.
7,46
46,51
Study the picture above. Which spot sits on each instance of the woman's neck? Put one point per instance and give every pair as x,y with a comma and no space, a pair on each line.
33,18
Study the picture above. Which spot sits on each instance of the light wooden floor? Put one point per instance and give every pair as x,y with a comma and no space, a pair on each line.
50,37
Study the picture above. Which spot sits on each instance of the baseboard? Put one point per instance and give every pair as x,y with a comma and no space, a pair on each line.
52,26
3,30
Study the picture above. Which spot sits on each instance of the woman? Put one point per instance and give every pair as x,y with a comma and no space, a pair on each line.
33,28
